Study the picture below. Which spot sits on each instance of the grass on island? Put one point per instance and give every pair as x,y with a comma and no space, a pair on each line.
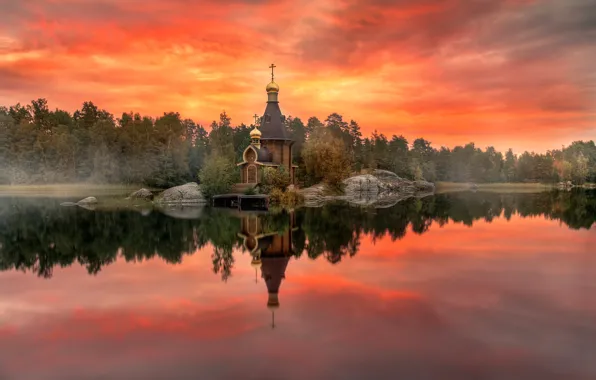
506,187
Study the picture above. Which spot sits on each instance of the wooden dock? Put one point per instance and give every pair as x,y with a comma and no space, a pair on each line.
242,201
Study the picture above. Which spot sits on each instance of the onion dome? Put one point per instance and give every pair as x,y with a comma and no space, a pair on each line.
256,263
255,133
273,302
272,87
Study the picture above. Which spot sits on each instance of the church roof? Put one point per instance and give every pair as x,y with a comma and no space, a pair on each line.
272,127
263,154
273,270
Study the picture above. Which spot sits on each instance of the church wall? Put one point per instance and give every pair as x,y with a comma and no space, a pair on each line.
287,157
281,244
275,149
279,150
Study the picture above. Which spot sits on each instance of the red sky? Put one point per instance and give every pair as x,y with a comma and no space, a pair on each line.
508,73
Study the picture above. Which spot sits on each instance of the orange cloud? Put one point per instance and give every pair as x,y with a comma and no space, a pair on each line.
450,71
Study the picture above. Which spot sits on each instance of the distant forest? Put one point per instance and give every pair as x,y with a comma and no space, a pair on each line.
38,145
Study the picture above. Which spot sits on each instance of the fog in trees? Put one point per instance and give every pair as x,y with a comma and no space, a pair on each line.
40,145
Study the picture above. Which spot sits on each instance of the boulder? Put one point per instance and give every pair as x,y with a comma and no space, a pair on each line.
87,201
424,186
188,194
314,196
142,194
182,212
366,185
386,175
382,188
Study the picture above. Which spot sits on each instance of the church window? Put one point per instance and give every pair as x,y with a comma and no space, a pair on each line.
252,225
251,172
251,155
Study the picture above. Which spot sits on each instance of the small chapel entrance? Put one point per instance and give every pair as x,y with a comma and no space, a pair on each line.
251,174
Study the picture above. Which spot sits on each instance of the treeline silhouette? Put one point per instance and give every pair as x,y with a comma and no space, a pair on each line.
37,235
39,145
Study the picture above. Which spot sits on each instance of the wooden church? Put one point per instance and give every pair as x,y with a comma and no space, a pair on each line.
271,145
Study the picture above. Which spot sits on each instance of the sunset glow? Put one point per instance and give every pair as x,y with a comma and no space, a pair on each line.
508,73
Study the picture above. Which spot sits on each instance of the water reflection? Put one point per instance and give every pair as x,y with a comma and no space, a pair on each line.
38,235
509,298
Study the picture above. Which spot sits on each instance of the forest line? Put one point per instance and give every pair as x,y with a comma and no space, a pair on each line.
39,145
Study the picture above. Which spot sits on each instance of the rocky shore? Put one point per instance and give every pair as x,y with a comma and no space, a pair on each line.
379,189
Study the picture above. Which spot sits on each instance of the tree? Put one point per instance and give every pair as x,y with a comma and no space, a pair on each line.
580,168
509,166
241,139
312,125
325,159
221,138
218,175
275,178
298,132
356,137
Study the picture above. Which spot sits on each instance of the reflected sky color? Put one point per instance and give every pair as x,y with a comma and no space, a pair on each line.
497,300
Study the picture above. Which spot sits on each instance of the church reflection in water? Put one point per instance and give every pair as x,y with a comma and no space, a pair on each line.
269,242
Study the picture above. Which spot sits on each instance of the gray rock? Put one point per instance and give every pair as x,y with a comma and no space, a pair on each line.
142,194
380,189
363,185
87,201
385,175
182,212
188,194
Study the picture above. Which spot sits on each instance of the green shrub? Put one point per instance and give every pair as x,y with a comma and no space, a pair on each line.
217,176
285,199
275,178
276,196
250,191
292,199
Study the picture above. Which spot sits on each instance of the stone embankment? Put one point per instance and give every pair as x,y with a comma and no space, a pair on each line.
380,189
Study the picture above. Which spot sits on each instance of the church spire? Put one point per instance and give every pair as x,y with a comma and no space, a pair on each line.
272,67
272,123
272,88
255,134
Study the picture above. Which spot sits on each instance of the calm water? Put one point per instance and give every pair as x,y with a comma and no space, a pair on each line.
460,286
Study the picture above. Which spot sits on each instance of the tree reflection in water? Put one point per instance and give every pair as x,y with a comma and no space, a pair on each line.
37,234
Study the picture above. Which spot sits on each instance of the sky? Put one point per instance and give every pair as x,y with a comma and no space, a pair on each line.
507,73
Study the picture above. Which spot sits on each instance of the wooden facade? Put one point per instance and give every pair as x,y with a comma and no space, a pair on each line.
270,146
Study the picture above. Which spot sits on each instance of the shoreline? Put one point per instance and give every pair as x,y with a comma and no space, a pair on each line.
504,187
501,187
66,190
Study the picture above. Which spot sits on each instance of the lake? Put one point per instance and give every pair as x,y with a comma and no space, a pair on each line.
453,286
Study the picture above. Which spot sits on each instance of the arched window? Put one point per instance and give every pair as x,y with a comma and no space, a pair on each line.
250,155
253,223
251,174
